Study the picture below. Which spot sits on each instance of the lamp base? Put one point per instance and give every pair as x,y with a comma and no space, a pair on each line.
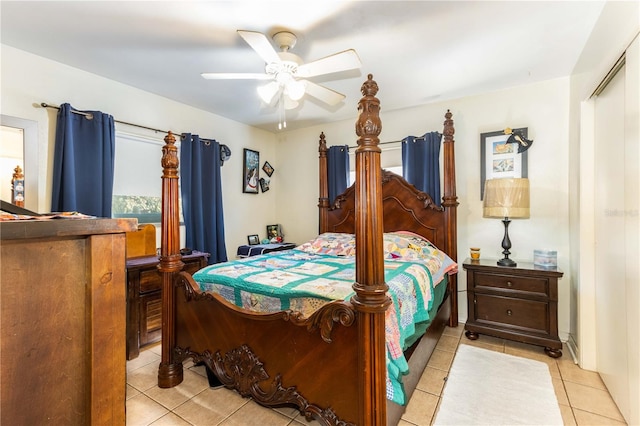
507,262
506,245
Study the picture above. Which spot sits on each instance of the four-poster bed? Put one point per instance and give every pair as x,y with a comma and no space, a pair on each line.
330,364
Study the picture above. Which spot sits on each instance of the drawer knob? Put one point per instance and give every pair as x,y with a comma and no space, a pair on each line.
509,284
509,312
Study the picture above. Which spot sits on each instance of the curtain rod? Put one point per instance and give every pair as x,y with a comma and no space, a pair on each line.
390,142
86,114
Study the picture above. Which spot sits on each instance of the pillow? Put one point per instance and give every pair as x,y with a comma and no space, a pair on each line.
405,245
333,243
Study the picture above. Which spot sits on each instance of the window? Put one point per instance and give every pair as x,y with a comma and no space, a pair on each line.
137,187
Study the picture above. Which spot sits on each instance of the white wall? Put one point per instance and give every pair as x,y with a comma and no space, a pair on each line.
27,80
542,107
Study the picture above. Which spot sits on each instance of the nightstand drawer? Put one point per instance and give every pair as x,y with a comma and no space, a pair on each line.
150,280
519,313
193,265
529,285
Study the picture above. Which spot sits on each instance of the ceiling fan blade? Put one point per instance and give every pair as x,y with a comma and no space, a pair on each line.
235,76
261,44
343,61
322,93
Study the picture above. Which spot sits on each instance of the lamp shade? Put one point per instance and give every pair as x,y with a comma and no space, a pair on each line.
506,197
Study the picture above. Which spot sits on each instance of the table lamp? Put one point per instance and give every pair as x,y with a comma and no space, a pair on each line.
506,198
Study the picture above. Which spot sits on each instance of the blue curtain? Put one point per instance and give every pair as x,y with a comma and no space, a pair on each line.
338,166
421,163
83,162
201,190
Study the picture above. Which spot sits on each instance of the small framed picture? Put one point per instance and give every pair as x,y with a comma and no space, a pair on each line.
274,231
267,168
264,184
250,171
253,239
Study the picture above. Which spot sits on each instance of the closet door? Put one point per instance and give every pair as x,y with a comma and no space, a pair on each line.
610,210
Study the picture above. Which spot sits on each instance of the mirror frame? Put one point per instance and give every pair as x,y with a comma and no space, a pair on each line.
30,157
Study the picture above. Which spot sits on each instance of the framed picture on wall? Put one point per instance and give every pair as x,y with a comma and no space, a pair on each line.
499,159
264,184
268,169
250,171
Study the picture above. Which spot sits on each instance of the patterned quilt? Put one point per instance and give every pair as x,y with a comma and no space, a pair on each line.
323,270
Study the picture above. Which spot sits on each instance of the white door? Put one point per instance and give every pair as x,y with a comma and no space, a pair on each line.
610,211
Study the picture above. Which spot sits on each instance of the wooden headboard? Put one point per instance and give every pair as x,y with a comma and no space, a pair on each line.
405,208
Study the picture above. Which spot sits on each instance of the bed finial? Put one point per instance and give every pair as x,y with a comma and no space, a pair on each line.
322,142
170,155
448,127
369,87
369,126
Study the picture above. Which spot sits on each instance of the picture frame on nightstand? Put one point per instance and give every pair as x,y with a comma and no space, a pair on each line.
274,231
253,239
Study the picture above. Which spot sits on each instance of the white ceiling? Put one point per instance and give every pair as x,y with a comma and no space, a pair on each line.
417,51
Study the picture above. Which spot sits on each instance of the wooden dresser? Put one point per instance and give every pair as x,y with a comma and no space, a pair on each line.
518,303
63,307
144,298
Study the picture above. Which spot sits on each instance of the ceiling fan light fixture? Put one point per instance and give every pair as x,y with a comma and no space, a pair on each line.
294,89
268,91
289,103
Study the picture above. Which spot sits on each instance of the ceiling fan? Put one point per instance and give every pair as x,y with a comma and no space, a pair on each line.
288,73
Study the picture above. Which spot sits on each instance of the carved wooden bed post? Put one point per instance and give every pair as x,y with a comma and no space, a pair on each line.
170,370
371,300
323,200
450,203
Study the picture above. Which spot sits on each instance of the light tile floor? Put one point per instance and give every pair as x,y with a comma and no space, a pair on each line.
582,396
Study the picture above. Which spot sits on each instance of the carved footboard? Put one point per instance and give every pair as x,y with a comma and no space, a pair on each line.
277,359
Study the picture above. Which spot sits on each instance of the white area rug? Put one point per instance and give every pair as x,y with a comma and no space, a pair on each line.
491,388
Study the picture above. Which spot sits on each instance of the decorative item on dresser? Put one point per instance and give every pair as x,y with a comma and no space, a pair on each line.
517,303
329,362
144,298
17,187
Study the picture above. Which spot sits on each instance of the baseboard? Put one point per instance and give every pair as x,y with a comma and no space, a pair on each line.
573,349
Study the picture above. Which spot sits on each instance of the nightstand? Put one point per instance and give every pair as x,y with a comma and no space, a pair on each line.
144,298
519,303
